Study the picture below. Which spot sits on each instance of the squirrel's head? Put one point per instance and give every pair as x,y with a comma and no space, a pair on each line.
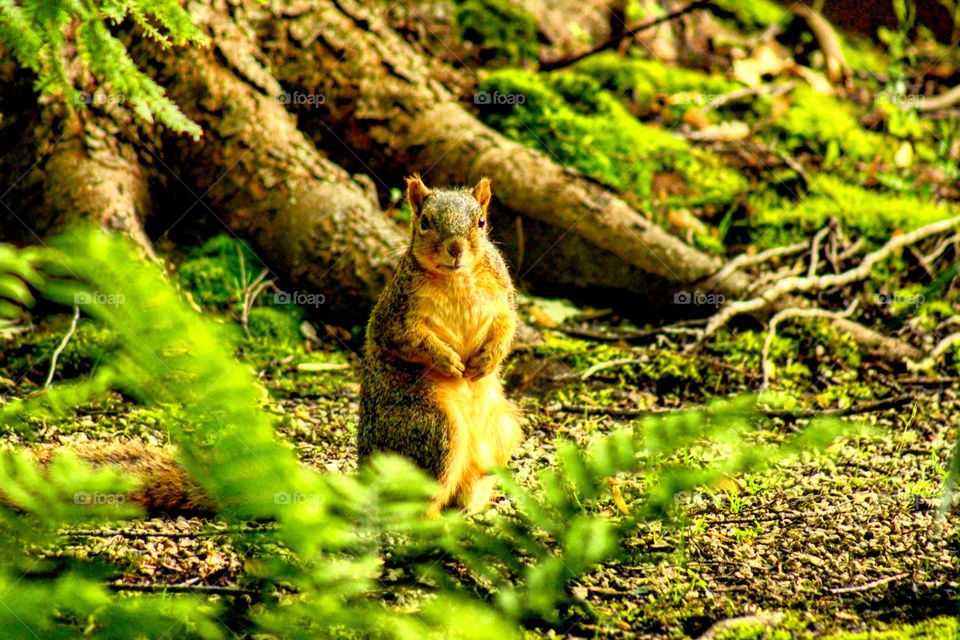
448,226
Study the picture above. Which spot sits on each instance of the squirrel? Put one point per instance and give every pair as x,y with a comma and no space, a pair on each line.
430,384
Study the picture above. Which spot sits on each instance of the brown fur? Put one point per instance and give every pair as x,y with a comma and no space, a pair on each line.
435,343
163,485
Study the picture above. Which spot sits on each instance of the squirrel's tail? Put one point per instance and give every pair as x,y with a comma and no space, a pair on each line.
164,487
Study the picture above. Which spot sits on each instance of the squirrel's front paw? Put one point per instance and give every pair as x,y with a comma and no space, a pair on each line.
449,364
480,364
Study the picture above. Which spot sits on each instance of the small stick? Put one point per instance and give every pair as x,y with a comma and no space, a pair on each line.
773,89
629,32
62,346
745,260
182,588
815,251
936,103
869,585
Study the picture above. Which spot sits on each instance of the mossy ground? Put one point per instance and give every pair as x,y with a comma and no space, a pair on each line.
848,544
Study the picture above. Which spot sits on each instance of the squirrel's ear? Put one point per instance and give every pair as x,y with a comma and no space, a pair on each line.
417,192
481,193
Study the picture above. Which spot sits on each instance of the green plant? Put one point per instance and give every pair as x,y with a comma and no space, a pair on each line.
39,35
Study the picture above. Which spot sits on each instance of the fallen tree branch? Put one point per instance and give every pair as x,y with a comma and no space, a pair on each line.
802,284
616,39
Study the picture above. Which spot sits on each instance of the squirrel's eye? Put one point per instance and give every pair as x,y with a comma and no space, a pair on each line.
424,223
481,223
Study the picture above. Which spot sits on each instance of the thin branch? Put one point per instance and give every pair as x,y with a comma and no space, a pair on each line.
815,251
62,346
765,363
873,584
936,103
614,41
182,588
744,260
772,89
802,284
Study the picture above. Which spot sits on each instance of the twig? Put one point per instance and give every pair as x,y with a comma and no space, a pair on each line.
250,295
934,255
936,103
611,364
837,412
772,89
765,363
815,251
873,584
629,32
829,41
935,354
784,414
827,281
62,346
684,326
182,588
745,260
852,249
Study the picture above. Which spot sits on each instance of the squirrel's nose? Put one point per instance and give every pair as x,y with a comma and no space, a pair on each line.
455,249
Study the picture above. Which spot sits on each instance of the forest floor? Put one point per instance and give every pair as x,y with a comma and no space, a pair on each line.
851,542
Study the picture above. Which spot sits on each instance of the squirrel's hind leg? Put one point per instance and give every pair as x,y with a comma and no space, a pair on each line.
479,495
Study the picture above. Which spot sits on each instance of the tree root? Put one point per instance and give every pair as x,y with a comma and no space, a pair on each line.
780,291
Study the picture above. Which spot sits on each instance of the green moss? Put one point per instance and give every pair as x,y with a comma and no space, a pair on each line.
863,55
276,325
756,13
873,214
216,273
943,628
643,82
504,32
570,117
829,127
27,356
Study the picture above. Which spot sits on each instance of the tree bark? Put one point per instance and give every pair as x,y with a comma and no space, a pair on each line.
319,229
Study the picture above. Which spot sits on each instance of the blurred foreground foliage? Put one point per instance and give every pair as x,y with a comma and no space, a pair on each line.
327,566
